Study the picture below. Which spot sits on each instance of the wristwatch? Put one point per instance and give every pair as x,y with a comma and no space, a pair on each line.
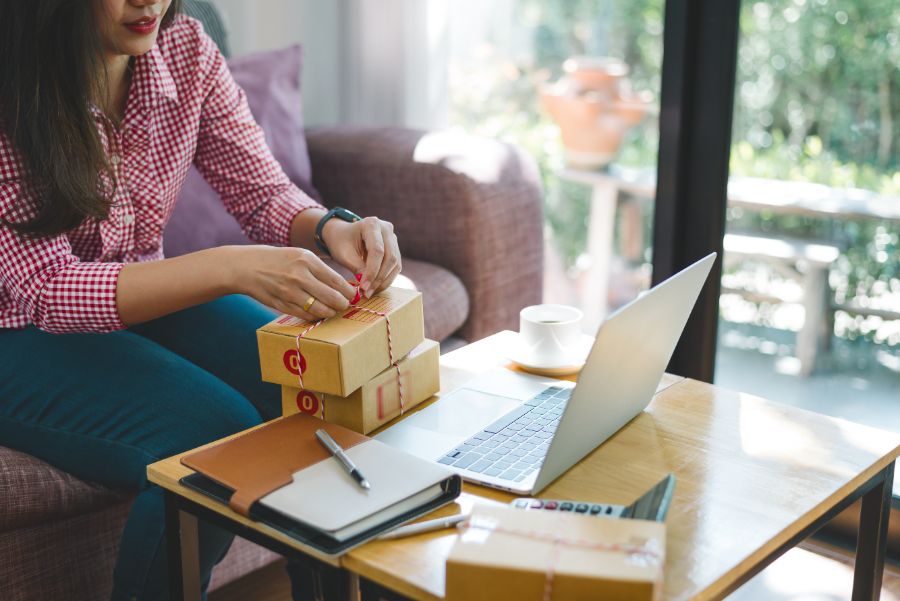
339,212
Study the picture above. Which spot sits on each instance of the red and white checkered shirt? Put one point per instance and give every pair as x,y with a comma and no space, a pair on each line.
183,106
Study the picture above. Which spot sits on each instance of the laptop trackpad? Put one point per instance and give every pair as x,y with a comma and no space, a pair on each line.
463,412
447,422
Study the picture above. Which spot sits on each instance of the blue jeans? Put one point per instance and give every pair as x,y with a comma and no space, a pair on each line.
103,406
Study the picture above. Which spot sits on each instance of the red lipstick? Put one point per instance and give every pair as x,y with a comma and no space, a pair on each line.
143,26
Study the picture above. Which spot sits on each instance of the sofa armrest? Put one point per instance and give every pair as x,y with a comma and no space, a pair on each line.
468,204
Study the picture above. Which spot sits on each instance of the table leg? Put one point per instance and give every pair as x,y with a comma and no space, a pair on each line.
369,591
183,552
314,579
335,584
871,540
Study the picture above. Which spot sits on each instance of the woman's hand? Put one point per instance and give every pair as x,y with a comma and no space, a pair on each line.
369,247
286,278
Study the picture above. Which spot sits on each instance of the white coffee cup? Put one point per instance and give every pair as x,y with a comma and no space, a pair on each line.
551,333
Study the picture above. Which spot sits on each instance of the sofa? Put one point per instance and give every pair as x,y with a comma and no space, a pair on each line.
468,215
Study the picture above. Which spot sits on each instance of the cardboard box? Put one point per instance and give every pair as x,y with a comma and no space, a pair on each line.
507,553
344,352
378,400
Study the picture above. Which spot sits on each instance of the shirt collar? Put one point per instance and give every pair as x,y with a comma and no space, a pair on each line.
152,79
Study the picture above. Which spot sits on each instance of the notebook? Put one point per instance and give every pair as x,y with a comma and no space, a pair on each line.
281,475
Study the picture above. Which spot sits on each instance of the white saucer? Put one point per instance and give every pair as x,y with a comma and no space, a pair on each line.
559,366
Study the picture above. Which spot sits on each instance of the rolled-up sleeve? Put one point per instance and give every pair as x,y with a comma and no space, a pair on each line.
232,155
57,291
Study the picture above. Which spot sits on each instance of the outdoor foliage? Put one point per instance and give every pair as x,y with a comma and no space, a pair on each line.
816,99
818,82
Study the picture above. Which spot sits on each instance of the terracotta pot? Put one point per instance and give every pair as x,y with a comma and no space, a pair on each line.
596,73
632,110
591,133
591,111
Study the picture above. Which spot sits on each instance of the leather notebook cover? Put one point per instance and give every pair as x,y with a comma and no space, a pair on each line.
265,459
280,474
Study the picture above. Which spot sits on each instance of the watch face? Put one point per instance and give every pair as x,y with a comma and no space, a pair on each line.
346,214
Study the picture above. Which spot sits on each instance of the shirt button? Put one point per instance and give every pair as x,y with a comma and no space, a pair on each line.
115,159
128,219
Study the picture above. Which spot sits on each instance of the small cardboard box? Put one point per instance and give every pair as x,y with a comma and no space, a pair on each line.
508,553
344,352
378,400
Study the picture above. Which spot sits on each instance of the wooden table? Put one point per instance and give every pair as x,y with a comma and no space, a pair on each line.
755,478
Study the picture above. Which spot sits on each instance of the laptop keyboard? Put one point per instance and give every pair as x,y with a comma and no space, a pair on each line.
513,446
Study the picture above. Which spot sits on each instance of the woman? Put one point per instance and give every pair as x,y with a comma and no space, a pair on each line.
103,107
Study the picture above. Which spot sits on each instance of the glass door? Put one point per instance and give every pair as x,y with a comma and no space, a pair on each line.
575,83
810,290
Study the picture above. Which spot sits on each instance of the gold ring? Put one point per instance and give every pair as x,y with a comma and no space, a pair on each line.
309,303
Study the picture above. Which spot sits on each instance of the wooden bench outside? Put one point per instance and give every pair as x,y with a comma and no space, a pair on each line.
805,260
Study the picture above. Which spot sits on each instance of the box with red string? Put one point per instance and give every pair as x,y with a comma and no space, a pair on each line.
508,553
338,355
386,396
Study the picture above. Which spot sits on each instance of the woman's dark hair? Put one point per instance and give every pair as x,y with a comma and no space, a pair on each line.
51,69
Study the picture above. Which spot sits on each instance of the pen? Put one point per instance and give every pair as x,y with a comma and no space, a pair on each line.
339,454
427,526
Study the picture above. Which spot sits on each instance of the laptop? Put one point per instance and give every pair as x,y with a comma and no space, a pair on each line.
519,432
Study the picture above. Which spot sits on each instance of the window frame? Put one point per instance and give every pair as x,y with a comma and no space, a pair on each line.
700,42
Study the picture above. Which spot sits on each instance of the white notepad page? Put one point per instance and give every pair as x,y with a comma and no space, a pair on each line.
324,496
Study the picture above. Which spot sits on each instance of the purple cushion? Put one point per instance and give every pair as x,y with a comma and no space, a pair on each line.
271,81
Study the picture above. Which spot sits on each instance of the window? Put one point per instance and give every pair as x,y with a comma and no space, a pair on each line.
810,305
507,74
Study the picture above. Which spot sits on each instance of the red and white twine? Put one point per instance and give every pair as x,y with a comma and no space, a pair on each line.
394,363
303,333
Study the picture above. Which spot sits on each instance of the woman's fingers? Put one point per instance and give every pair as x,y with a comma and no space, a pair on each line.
314,303
316,288
333,279
374,242
314,300
392,275
290,308
383,279
370,247
390,264
328,300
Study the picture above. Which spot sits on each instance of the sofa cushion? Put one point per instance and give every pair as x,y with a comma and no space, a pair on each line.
69,558
445,300
271,81
32,492
451,344
59,535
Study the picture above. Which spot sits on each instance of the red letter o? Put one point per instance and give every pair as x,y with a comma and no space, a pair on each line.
307,402
292,364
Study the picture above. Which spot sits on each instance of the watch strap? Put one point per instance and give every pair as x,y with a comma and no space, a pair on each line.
339,212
